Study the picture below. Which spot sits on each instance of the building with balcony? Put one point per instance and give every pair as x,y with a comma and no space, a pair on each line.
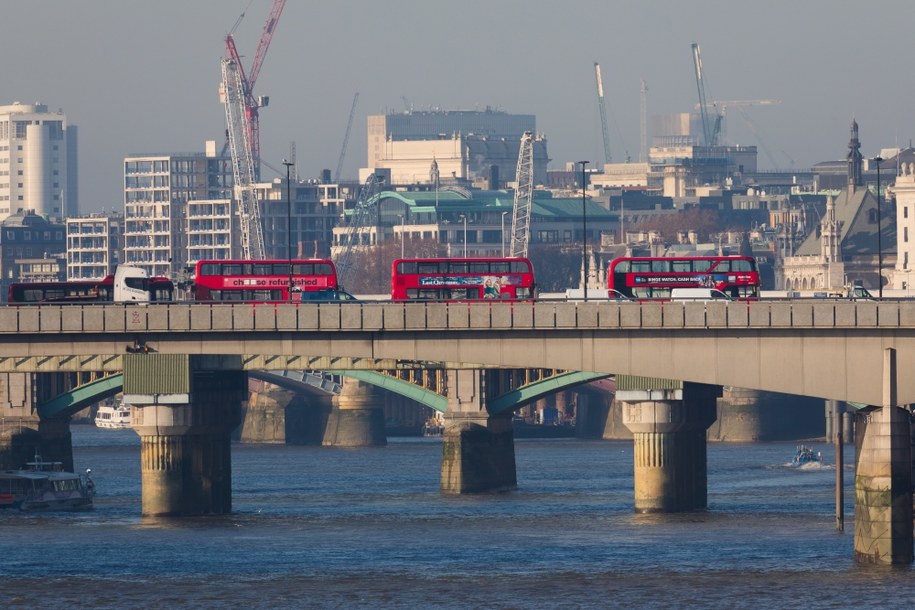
94,246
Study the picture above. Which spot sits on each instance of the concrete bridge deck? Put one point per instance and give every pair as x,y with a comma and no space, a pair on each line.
828,349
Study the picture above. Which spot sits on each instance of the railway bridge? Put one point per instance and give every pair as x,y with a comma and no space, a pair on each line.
184,368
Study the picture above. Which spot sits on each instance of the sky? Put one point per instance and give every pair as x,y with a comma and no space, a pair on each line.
142,76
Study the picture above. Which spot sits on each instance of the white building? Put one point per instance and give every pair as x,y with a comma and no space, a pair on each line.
93,245
37,161
157,190
904,190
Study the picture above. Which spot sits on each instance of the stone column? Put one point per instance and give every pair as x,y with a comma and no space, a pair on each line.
184,415
357,418
56,441
669,435
478,450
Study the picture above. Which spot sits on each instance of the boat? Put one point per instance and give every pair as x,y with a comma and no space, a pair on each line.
114,417
45,486
806,455
434,426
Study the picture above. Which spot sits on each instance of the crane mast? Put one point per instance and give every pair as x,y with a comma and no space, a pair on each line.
252,240
703,105
521,211
603,113
243,130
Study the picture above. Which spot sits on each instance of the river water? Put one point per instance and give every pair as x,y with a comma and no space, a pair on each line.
316,527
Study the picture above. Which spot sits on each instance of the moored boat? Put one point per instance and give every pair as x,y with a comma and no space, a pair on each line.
40,486
114,417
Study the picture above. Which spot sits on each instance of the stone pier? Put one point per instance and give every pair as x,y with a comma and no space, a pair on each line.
184,415
357,418
669,426
478,450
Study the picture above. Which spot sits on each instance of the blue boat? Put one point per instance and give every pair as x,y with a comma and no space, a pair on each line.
806,455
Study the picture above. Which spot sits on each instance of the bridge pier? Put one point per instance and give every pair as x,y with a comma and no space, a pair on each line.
669,435
357,418
184,415
478,450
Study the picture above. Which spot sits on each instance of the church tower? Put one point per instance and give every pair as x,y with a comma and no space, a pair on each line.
855,160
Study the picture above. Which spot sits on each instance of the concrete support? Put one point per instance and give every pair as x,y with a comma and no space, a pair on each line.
883,478
56,441
478,451
357,419
669,435
185,430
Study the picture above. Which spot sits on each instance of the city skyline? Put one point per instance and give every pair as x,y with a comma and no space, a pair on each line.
143,77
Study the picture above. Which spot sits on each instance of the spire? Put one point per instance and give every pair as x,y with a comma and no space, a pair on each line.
854,159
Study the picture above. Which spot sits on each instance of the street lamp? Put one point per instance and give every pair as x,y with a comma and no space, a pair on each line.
465,235
502,233
878,160
402,228
584,232
289,164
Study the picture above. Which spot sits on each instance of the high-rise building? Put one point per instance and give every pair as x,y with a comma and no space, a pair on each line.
37,162
157,189
93,245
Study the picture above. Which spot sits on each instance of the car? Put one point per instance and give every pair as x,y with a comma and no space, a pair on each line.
698,294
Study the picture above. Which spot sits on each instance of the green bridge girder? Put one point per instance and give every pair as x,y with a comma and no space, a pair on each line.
77,399
69,403
534,391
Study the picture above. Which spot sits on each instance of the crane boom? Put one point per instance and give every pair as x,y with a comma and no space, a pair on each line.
362,216
349,124
703,105
603,113
521,211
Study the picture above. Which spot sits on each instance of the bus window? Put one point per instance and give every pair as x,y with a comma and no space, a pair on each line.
702,265
681,266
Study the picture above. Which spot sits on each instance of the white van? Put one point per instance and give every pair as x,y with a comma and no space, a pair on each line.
698,294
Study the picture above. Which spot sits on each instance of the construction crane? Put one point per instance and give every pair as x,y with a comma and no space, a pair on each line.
708,130
603,113
521,211
242,128
363,215
349,124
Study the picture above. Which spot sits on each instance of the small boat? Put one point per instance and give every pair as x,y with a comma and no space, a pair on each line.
434,427
41,486
806,455
114,417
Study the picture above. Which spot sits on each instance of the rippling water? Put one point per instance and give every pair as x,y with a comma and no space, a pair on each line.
368,528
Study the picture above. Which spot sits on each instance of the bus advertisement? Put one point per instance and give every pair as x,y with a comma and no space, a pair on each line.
265,280
462,279
653,278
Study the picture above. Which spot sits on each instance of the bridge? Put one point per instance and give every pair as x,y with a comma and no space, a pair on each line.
837,350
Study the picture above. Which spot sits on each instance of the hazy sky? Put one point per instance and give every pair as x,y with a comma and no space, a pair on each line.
142,76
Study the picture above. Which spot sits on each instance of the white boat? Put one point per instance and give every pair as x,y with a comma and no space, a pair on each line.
114,417
40,486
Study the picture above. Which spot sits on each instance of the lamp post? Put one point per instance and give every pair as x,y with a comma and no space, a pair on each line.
289,164
402,228
465,235
584,233
878,160
502,233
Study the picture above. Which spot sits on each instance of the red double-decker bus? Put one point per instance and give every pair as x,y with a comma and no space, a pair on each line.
265,280
654,278
462,279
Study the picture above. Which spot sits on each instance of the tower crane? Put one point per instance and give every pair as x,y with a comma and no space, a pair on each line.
349,124
521,211
364,214
243,130
603,113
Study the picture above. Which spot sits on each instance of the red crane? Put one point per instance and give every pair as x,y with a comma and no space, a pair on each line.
251,102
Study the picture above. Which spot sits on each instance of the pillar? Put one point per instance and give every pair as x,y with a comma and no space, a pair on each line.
56,441
357,418
883,486
478,450
669,435
184,415
883,478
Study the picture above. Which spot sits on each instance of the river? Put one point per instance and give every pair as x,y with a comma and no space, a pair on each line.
317,527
